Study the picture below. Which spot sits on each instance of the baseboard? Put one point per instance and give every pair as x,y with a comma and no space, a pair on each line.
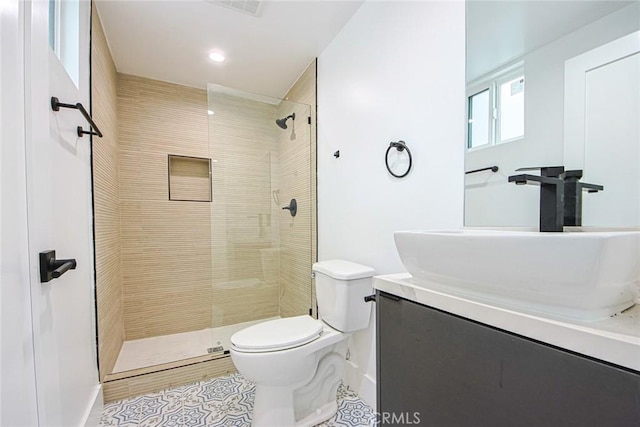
368,391
92,417
361,383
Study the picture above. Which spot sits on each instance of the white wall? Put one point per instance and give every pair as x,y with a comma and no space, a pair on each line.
490,199
396,71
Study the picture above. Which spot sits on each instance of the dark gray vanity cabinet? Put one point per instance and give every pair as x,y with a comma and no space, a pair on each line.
438,369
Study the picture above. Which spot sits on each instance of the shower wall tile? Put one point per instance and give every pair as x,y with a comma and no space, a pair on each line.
162,117
168,272
108,244
144,175
166,245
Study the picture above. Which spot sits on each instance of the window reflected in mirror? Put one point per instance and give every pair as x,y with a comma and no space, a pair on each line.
510,115
479,119
495,109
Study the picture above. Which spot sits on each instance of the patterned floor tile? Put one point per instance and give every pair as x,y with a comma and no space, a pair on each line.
156,404
221,389
220,402
195,416
345,392
173,418
354,412
242,420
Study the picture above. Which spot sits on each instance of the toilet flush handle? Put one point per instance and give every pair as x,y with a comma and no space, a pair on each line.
370,298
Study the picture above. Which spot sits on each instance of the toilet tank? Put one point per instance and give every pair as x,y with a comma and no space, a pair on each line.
340,289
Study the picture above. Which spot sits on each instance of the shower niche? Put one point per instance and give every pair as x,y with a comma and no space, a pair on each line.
189,178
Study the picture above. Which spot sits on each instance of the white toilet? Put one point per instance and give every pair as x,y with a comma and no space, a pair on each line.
297,362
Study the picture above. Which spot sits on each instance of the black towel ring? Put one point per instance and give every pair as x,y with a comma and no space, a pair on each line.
399,146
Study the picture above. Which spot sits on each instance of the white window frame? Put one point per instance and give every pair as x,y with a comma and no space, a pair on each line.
492,83
477,90
55,23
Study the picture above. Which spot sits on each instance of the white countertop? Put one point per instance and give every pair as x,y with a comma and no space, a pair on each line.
615,340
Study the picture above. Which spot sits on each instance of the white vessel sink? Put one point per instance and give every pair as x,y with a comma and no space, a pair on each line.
583,273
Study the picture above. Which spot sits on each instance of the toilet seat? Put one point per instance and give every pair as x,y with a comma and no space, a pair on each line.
279,334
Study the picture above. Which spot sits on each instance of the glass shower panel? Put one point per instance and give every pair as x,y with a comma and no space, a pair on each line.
260,254
294,182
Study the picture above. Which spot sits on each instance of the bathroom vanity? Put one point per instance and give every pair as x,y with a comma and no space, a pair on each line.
458,362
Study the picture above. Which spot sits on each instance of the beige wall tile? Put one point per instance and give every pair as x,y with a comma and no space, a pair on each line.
106,203
166,245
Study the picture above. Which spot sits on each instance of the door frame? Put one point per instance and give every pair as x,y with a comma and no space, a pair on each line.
575,76
18,398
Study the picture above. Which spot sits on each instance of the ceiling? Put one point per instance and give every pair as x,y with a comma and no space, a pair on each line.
499,32
171,40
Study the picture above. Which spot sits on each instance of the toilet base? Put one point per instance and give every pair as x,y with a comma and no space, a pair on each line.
320,415
273,406
309,402
277,410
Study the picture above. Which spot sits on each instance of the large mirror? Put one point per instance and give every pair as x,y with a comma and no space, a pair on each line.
552,83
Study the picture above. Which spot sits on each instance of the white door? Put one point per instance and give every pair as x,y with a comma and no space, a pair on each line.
602,129
60,210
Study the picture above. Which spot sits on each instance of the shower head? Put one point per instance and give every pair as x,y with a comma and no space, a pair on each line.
282,123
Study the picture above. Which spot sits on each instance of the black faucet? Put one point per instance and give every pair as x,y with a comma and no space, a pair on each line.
573,196
551,195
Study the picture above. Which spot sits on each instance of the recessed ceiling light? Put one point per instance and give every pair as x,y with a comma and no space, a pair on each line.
210,112
216,57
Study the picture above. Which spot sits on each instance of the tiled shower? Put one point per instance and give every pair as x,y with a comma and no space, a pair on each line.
192,242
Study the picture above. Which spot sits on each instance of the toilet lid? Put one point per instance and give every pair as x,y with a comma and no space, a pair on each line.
279,334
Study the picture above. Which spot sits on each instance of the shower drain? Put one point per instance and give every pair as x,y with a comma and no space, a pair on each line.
217,349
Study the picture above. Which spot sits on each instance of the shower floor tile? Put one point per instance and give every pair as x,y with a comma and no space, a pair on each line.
136,354
224,401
